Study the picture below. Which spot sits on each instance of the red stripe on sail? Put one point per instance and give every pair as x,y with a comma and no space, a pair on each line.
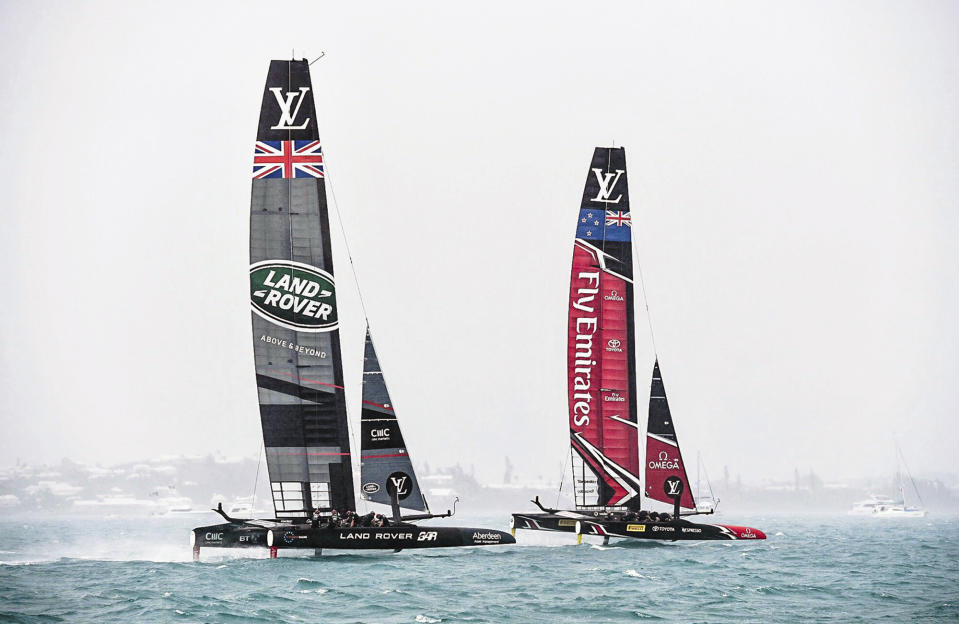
378,405
313,454
310,381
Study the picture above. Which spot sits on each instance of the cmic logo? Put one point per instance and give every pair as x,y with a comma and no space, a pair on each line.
287,102
607,183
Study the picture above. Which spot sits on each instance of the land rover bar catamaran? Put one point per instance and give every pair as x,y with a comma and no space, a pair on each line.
299,373
601,368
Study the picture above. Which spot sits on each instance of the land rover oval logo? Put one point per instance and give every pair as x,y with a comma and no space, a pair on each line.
293,295
371,488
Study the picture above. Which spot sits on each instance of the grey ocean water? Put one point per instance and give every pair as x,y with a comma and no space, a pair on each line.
814,568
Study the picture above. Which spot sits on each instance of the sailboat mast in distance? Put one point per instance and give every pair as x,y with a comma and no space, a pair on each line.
601,361
296,344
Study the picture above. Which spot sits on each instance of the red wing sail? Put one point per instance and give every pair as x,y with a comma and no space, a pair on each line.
663,459
600,356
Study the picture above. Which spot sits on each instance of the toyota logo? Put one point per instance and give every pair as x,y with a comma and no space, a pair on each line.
613,344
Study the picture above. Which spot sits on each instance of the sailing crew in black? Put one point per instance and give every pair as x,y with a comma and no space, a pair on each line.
316,519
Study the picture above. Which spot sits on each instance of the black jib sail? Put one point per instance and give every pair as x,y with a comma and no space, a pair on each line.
385,462
601,360
299,374
663,458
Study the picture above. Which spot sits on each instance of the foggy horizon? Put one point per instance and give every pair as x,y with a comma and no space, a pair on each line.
793,183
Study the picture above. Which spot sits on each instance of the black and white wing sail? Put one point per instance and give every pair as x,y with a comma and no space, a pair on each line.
299,373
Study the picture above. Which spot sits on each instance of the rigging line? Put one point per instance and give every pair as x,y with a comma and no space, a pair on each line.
346,244
256,479
322,54
562,477
642,285
909,472
359,292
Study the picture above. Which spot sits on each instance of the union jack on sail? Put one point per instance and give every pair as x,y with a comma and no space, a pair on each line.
618,217
287,159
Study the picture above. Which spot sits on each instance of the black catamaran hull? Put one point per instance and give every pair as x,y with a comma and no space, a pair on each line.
574,522
398,537
229,535
565,523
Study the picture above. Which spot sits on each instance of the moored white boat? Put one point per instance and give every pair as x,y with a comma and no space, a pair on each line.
898,510
868,506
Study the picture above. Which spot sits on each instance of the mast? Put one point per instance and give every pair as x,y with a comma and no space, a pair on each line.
601,360
296,344
385,465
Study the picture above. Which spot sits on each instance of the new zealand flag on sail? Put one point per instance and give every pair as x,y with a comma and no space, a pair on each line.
609,225
287,159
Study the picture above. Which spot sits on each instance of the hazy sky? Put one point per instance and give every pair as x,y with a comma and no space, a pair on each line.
794,176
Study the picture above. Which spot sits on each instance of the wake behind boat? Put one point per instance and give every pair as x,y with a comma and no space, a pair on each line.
299,372
601,368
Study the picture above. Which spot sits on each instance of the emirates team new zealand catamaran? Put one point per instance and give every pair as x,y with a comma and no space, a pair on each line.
601,367
299,373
